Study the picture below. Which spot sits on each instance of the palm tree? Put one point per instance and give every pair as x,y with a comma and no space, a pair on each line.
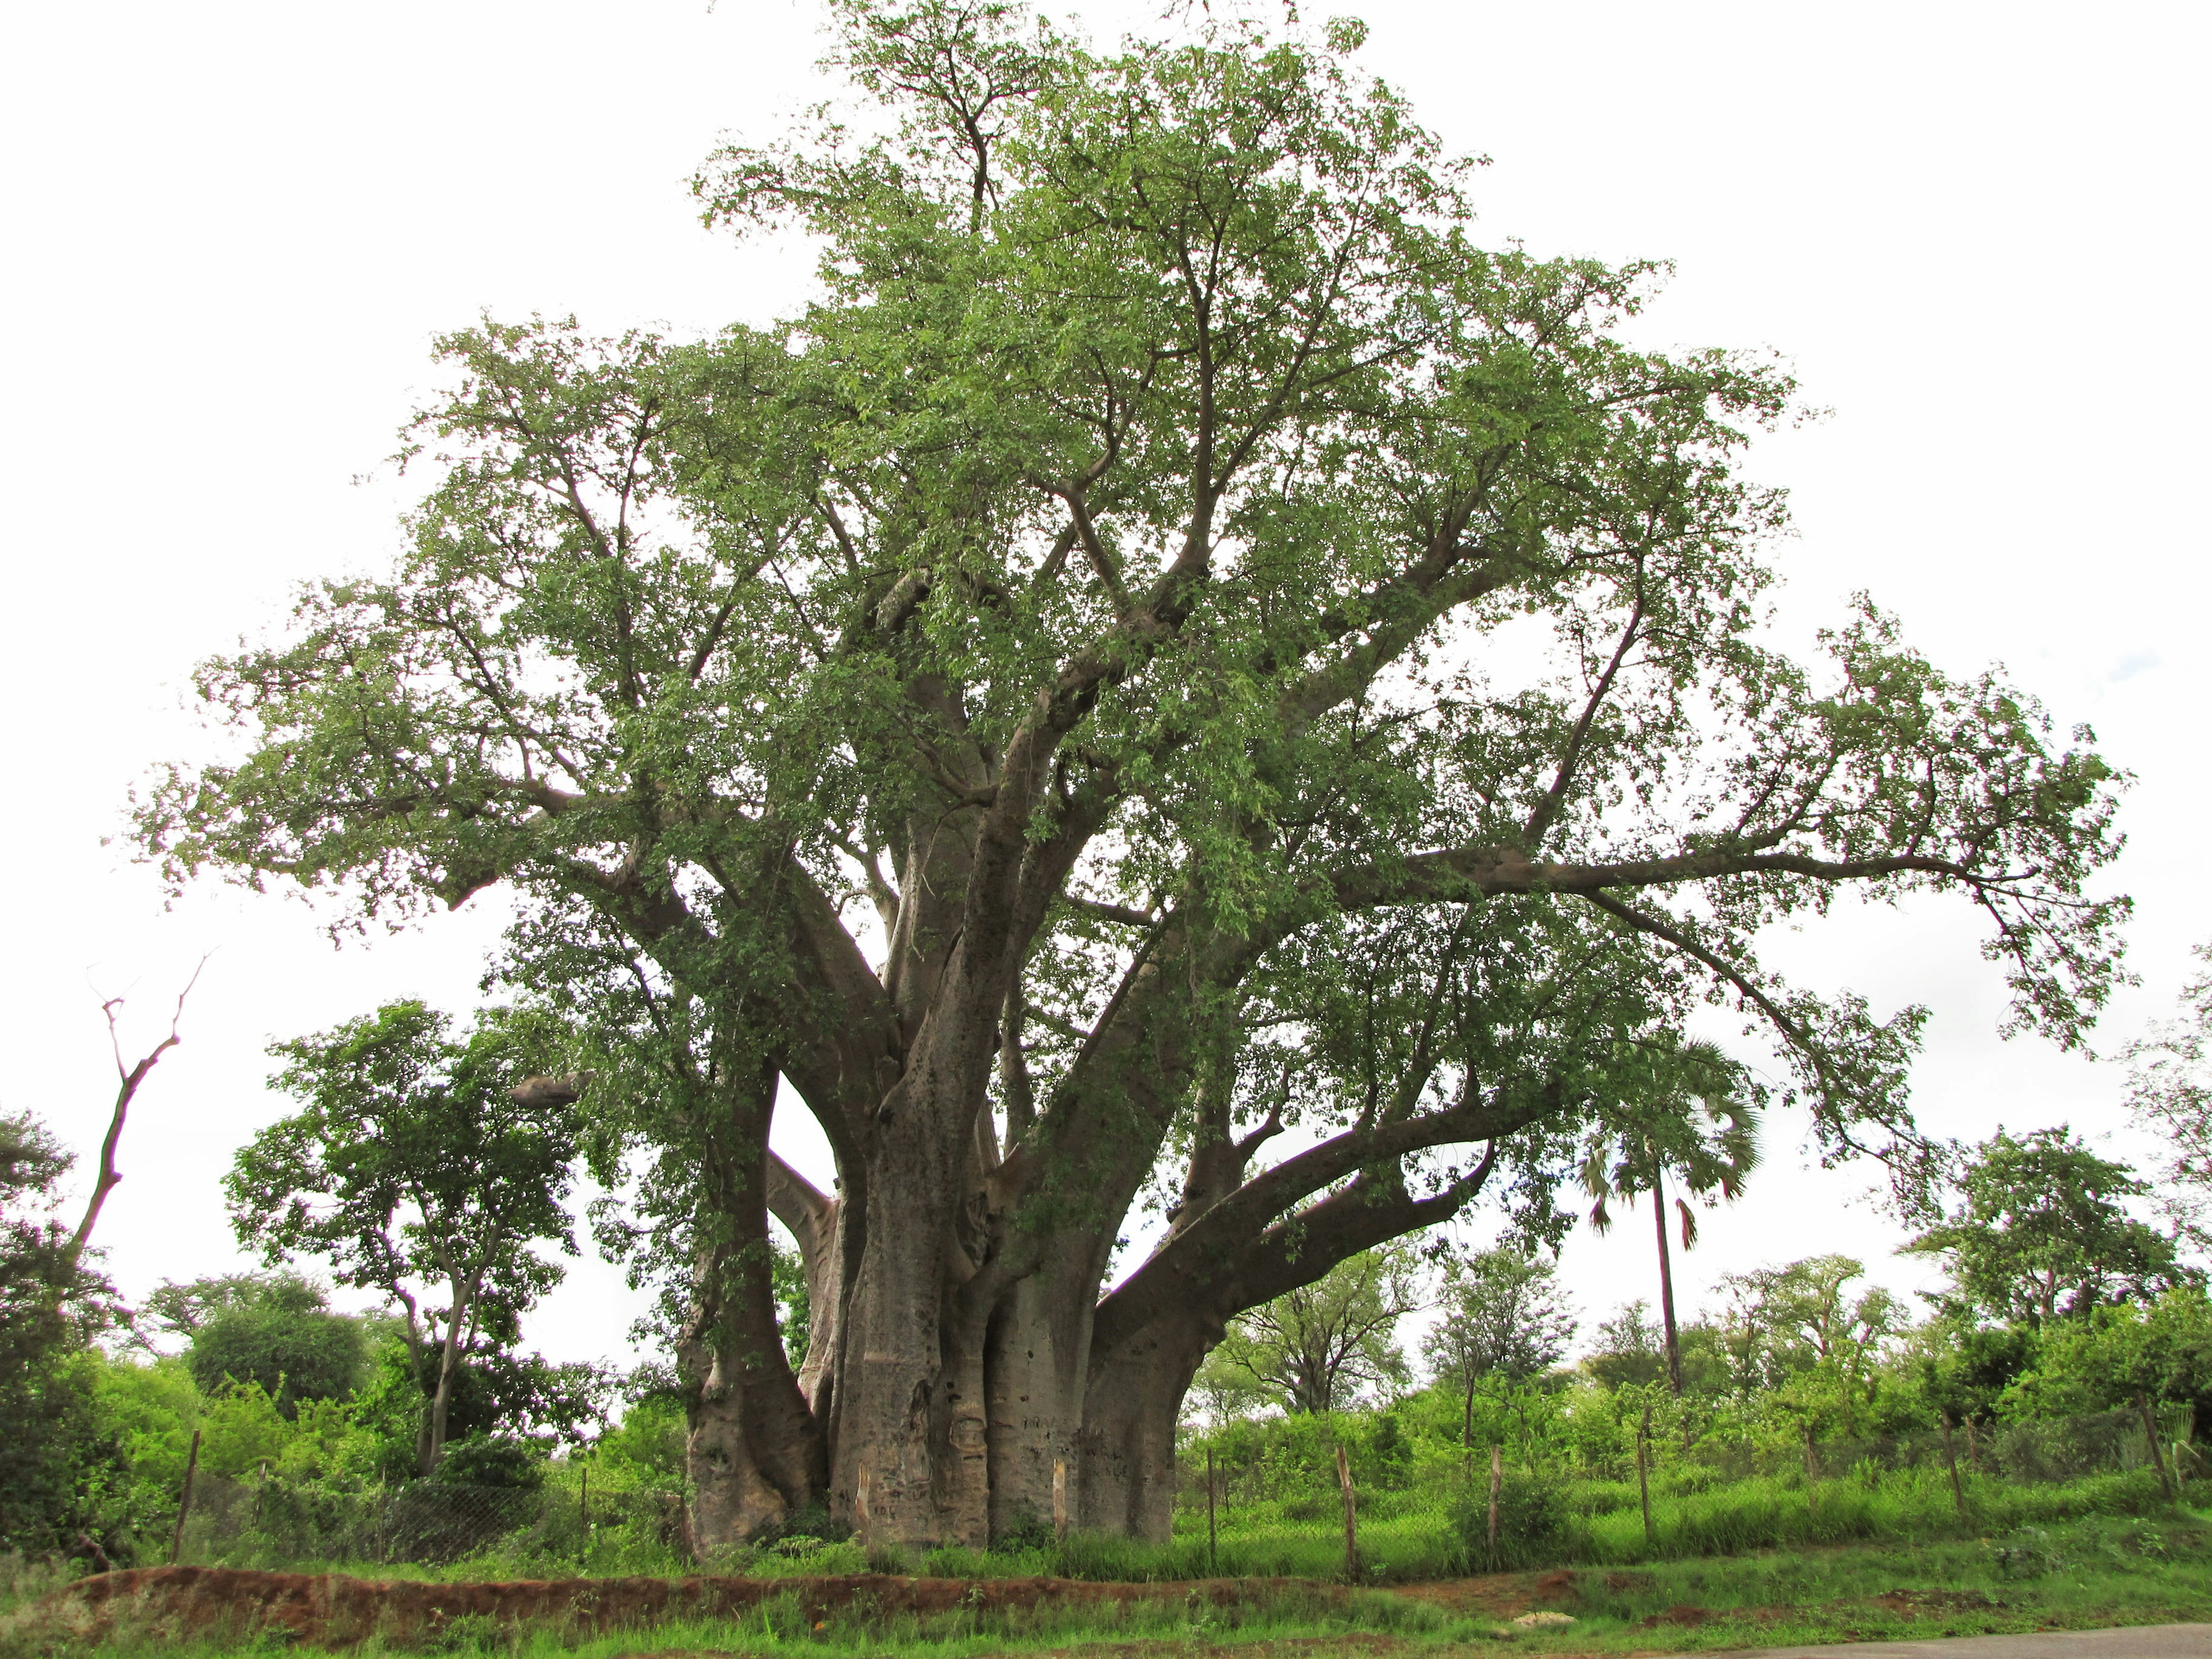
1691,1110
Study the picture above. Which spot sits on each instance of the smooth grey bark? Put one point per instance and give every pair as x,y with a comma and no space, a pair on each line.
753,1448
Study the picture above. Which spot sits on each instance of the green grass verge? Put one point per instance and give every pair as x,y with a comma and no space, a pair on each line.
2081,1574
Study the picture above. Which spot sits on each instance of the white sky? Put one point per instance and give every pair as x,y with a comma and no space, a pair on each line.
1978,230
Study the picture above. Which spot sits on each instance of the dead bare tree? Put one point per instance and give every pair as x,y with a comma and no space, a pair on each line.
129,1078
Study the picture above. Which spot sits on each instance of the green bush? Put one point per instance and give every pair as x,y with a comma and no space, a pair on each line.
492,1460
287,1341
1536,1526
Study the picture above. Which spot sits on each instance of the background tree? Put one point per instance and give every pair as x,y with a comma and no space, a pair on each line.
1629,1350
52,1442
1637,1148
2042,1232
1501,1314
275,1329
1033,697
2170,1094
1799,1326
422,1166
1317,1348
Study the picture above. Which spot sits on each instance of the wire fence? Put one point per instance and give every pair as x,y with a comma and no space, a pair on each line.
1302,1505
268,1522
1244,1506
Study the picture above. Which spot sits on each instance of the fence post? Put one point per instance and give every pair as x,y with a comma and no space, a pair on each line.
184,1502
1950,1462
584,1513
1812,1474
1212,1547
1350,1518
1060,1500
2150,1434
1497,1482
861,1508
1643,1476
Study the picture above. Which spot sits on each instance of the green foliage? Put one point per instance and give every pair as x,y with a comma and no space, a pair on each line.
648,1444
275,1330
1688,1111
788,1278
1503,1314
2042,1234
492,1460
56,1456
1799,1332
1535,1529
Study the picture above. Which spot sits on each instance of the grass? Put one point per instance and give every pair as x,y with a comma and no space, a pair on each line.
2090,1572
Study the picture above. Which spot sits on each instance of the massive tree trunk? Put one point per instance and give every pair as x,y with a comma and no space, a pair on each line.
753,1449
1132,1404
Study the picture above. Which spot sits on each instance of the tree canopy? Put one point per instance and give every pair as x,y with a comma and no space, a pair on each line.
275,1329
2042,1232
1177,644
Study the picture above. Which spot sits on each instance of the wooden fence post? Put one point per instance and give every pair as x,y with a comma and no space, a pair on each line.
1350,1518
1213,1544
1950,1462
2150,1434
1060,1500
1497,1482
1642,1475
584,1512
184,1502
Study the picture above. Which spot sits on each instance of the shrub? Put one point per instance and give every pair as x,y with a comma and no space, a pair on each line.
1534,1526
495,1460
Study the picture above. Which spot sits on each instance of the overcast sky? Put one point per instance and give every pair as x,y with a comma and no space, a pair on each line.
1978,231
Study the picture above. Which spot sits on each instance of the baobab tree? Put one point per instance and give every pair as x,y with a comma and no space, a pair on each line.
1175,644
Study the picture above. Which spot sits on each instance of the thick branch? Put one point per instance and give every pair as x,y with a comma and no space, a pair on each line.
130,1078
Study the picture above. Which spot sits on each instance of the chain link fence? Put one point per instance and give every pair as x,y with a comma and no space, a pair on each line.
1299,1504
269,1522
1245,1507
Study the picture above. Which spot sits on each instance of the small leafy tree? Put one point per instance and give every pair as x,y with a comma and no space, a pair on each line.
2043,1233
421,1166
1316,1348
1504,1317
